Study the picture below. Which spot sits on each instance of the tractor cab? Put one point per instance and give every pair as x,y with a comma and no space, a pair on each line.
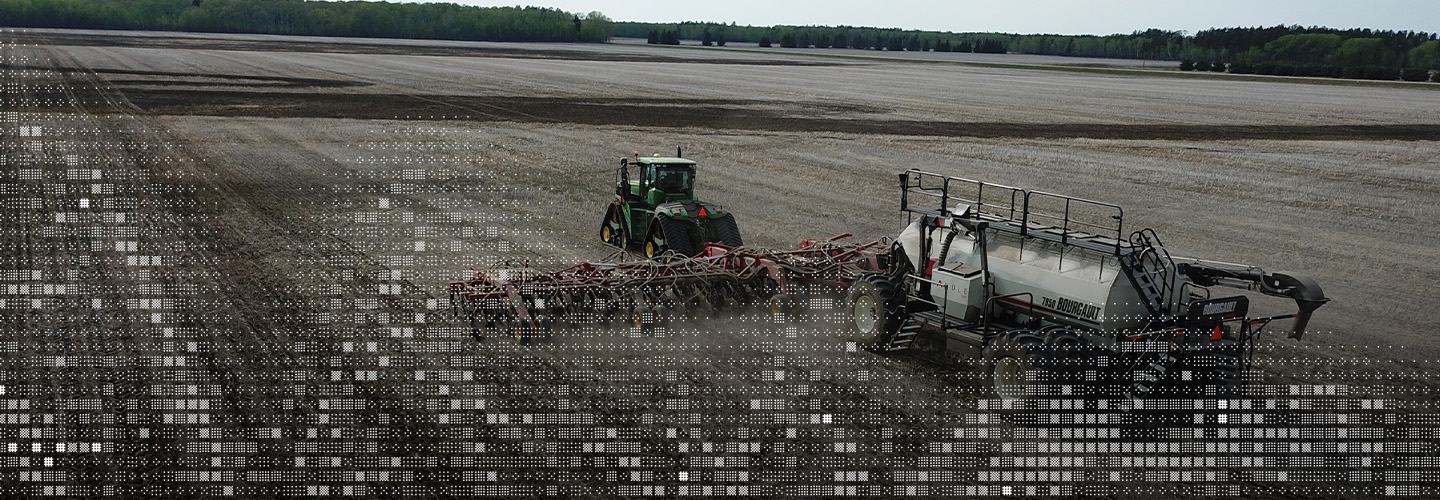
656,180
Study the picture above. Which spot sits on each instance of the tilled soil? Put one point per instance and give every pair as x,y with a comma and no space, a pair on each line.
735,115
583,52
251,247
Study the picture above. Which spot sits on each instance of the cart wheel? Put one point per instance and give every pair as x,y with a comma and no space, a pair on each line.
782,304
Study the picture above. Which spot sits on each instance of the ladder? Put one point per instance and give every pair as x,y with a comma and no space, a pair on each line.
1148,266
1153,370
904,337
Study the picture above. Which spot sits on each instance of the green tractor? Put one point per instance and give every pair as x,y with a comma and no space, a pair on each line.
655,209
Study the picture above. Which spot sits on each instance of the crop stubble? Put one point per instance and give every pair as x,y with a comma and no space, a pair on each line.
283,148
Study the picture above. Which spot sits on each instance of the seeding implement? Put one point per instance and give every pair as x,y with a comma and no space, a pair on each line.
1045,291
528,304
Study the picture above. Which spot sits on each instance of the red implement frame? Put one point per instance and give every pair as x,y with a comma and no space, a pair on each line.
527,304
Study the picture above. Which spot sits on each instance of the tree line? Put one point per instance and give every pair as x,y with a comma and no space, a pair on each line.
812,36
1300,51
1314,51
298,17
1280,50
1149,44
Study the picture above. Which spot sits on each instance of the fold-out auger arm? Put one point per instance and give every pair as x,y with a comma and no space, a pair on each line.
1304,291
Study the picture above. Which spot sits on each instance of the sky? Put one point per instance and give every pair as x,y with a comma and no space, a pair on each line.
1068,17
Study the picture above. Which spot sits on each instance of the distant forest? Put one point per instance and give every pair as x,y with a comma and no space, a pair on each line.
1281,50
297,17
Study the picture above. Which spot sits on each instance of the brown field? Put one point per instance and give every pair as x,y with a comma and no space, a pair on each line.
285,180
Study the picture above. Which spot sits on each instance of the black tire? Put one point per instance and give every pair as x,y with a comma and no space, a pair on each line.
876,308
668,234
1071,357
645,319
652,247
1021,370
783,304
727,231
680,236
612,229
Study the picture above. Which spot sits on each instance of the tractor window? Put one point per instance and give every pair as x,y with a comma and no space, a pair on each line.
673,179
